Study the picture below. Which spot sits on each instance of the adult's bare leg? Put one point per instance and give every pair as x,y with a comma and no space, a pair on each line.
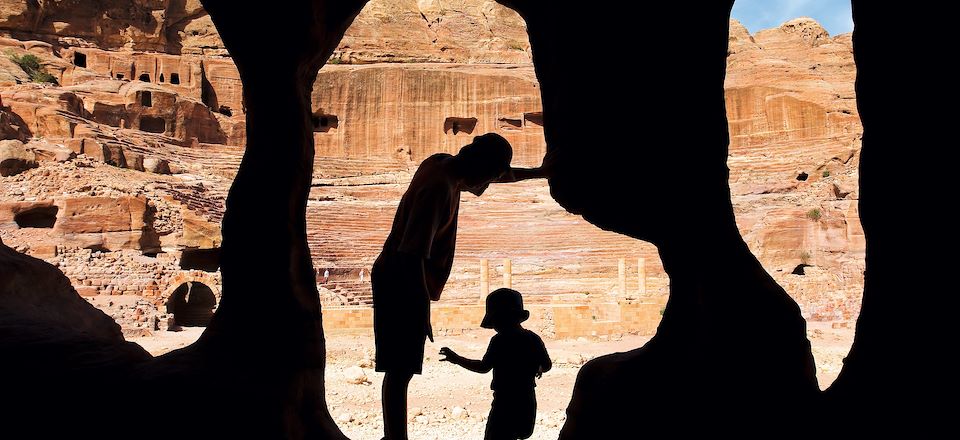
394,402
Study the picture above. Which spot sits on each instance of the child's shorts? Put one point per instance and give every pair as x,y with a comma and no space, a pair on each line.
512,415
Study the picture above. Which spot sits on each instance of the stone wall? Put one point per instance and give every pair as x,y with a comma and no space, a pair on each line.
555,320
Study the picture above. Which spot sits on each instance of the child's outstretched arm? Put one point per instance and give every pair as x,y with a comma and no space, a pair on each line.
477,366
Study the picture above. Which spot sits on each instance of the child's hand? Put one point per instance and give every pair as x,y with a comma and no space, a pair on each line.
449,355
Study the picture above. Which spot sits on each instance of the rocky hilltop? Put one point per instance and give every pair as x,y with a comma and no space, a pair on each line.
116,168
449,31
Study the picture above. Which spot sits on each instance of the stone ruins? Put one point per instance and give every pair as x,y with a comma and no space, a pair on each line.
117,174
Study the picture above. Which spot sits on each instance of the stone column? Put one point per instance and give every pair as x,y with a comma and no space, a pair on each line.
484,279
507,273
641,276
622,276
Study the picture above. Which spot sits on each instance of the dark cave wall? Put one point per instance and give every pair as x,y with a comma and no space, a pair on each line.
266,266
898,369
656,170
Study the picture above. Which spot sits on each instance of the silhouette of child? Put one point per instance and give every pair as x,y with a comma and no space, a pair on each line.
517,356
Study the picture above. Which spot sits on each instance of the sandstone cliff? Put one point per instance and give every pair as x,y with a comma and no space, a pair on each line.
131,155
795,142
386,31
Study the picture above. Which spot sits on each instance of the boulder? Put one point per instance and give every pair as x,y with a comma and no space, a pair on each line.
46,151
15,158
156,165
355,375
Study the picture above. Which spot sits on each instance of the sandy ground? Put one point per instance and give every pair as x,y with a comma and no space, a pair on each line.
449,402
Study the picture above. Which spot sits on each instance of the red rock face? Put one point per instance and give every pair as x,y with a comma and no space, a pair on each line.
386,31
160,135
794,148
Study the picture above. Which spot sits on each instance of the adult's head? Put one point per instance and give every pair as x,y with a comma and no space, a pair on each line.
483,161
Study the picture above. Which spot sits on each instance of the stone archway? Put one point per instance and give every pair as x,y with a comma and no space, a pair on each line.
192,304
191,298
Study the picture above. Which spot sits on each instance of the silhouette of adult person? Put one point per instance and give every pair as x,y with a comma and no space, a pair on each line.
417,257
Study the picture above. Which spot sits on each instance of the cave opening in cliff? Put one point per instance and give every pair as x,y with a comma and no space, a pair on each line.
146,98
145,77
457,125
120,76
79,59
38,217
192,304
174,78
153,124
533,119
802,177
323,123
207,260
162,79
507,123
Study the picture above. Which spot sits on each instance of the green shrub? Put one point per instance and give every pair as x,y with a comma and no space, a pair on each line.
32,67
42,76
28,62
826,173
814,214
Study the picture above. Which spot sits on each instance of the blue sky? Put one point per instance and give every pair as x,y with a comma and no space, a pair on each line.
756,15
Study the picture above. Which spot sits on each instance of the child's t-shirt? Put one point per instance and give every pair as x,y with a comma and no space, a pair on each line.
516,357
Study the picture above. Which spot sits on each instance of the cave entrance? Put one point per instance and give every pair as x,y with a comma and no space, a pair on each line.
207,260
146,98
323,123
145,77
459,125
153,124
192,304
174,78
533,119
79,59
38,217
508,123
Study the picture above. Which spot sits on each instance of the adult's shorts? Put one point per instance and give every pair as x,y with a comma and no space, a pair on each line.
401,316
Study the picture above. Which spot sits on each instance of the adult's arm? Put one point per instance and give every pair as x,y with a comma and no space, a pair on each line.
518,174
545,362
545,170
